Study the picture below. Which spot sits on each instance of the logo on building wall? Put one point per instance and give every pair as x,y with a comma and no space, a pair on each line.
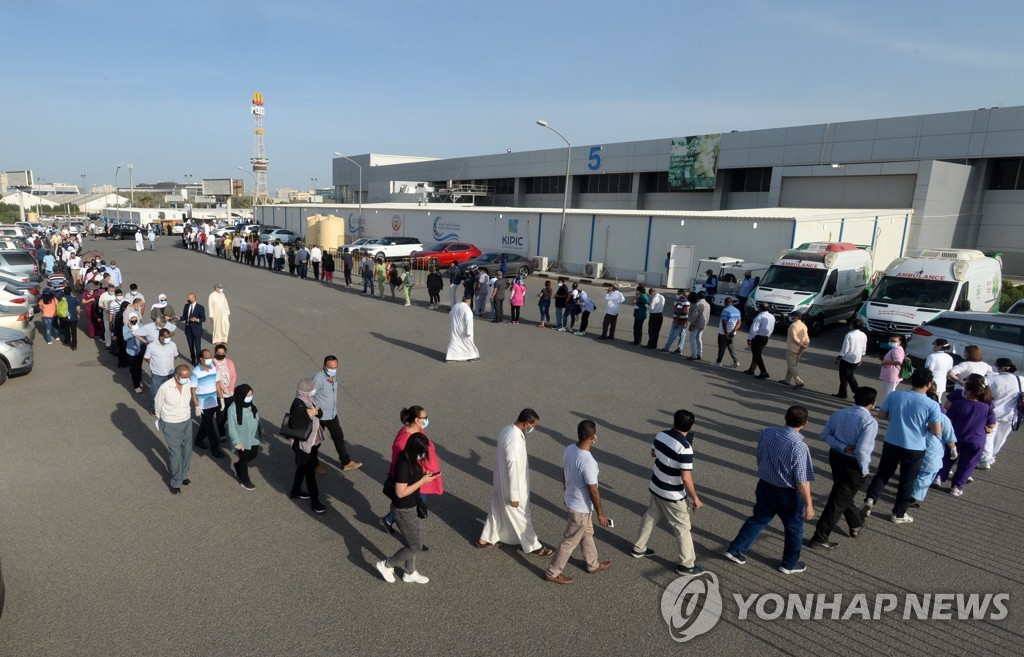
396,223
512,238
445,231
353,224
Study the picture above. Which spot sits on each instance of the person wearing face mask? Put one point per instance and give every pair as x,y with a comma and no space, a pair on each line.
244,430
220,313
326,379
892,362
120,317
304,415
415,420
410,475
133,346
163,309
193,315
160,355
509,520
208,398
174,420
227,378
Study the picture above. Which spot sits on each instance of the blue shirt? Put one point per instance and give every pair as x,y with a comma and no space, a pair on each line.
783,458
852,427
746,287
205,383
326,396
728,320
910,413
73,304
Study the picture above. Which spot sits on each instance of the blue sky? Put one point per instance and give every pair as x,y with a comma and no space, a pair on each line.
96,84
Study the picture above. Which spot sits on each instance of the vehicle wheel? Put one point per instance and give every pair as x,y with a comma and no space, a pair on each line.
3,372
815,326
524,271
118,236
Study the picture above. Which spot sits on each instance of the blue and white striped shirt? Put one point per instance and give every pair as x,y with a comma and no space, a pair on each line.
673,453
783,458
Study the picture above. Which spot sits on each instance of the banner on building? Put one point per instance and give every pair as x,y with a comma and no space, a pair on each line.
693,162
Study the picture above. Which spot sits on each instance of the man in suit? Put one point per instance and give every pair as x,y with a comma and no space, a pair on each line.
193,317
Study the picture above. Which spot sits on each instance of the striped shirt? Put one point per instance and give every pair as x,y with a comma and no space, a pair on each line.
673,453
205,383
783,458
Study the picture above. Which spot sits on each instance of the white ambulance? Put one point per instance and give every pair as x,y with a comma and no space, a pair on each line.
824,280
915,289
729,272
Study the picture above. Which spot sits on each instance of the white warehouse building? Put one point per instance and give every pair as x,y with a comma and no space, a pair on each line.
959,173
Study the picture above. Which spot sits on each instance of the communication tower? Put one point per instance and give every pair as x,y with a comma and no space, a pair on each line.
259,161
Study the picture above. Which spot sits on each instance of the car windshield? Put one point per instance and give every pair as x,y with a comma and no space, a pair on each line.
916,292
797,279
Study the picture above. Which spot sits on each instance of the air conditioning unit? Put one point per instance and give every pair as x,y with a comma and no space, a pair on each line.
539,263
593,269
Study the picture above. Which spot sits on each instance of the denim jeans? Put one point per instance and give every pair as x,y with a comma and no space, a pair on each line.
49,328
696,343
771,501
675,333
559,314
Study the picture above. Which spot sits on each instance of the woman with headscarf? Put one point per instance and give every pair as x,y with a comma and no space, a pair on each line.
93,315
122,354
163,308
305,416
410,476
133,349
245,433
517,298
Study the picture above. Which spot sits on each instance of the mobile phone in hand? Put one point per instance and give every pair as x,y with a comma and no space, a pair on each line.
611,523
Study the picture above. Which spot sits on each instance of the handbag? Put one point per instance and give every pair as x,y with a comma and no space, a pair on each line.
1020,406
294,434
389,488
421,508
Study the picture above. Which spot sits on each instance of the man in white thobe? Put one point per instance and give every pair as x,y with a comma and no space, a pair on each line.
509,520
460,344
217,306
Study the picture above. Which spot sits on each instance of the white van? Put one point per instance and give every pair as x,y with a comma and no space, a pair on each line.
916,289
729,272
825,280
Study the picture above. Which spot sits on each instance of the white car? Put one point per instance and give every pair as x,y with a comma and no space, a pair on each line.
391,248
1000,335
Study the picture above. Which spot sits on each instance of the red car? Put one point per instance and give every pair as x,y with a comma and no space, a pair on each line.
444,254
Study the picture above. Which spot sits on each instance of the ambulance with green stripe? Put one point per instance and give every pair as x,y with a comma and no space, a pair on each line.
916,289
826,281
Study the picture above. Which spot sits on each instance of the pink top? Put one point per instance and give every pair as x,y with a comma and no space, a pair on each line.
518,294
226,375
892,372
49,309
432,463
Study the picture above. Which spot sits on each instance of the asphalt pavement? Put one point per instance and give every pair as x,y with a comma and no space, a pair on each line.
100,559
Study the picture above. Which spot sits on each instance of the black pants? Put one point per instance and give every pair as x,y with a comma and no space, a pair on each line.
135,368
69,329
654,330
348,276
316,270
208,434
222,415
725,343
757,346
515,313
846,377
608,327
245,456
846,481
338,436
638,329
237,252
435,298
909,463
195,346
570,320
584,320
305,470
499,310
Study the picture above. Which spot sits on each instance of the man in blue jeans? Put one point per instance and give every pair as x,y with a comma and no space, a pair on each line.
783,489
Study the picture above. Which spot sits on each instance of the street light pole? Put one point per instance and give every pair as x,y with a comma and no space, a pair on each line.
252,198
360,190
117,189
565,195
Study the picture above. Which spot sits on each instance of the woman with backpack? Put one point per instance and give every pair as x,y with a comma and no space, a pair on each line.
410,474
69,319
48,307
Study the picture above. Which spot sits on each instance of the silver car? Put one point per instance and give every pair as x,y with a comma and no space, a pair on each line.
1000,335
16,355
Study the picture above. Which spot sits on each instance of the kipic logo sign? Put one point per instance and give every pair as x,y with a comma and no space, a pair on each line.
512,238
691,606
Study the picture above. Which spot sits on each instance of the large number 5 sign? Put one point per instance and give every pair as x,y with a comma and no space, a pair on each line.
594,161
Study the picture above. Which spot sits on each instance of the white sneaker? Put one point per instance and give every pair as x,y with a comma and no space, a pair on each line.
902,520
387,573
414,578
937,482
561,329
956,491
985,466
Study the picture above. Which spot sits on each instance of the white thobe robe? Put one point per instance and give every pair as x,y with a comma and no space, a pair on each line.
460,344
217,306
138,241
506,524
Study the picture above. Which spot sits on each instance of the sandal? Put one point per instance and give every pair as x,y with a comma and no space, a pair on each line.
482,545
544,551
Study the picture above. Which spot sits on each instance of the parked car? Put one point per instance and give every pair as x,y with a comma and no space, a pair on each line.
178,228
16,357
21,263
284,235
517,264
76,227
20,286
13,231
355,246
444,254
122,231
1000,335
394,247
1017,308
